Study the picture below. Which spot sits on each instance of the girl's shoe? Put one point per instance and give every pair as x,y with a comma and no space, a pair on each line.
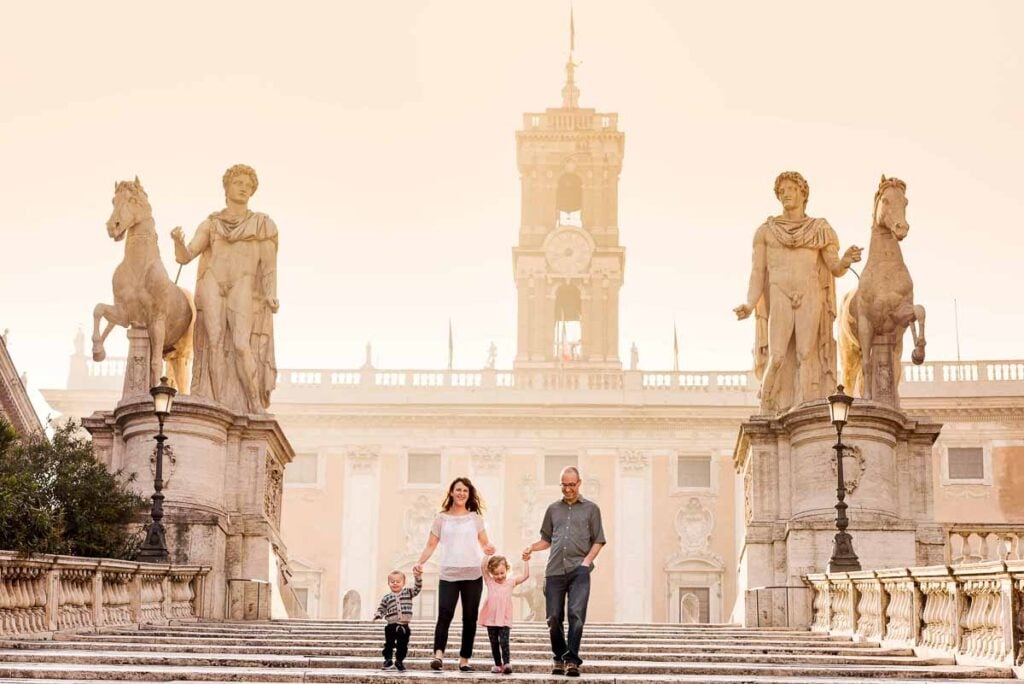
507,669
497,669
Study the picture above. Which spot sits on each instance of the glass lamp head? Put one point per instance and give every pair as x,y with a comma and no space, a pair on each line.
839,407
163,398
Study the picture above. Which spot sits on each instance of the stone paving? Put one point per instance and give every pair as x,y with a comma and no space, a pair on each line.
322,651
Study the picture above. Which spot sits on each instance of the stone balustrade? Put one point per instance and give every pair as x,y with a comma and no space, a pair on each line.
43,593
977,543
973,613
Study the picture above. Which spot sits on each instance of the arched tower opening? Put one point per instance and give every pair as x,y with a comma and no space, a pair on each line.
568,323
569,200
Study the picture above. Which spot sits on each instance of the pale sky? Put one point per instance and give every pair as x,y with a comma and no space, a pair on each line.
383,135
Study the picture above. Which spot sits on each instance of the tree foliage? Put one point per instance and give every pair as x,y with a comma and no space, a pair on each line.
56,498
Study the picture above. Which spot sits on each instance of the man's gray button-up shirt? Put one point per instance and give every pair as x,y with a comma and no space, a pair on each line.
571,530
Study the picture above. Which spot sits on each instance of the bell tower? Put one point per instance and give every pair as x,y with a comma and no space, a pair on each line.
568,265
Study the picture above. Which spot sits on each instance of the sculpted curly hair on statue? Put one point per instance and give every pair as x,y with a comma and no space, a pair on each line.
237,169
794,177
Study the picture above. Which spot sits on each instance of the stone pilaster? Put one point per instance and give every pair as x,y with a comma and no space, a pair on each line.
359,531
632,540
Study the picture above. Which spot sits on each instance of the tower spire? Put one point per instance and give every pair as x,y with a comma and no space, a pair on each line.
570,93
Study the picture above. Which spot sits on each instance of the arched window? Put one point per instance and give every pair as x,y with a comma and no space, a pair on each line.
568,323
569,200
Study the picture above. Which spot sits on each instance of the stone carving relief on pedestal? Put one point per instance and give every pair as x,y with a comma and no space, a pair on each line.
274,490
170,461
854,466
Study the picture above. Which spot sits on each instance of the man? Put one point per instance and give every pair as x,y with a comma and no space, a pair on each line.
792,288
236,295
572,530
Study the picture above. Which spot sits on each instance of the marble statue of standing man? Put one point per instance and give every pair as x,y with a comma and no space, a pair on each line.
236,297
792,289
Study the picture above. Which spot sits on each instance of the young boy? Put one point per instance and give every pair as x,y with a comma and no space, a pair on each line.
396,609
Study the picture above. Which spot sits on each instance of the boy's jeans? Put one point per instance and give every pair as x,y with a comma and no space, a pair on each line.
575,586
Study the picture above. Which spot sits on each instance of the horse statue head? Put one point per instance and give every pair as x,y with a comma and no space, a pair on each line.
131,207
890,210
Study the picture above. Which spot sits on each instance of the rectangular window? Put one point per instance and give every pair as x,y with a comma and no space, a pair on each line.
302,470
694,471
966,463
423,469
553,465
694,605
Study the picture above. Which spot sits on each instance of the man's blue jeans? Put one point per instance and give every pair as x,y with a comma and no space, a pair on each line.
557,588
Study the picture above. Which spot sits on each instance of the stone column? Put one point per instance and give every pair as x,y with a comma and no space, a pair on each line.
632,540
359,530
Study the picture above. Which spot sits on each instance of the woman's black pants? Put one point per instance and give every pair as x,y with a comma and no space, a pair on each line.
448,594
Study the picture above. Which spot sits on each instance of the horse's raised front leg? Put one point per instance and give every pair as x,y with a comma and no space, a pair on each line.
156,329
114,316
917,330
865,336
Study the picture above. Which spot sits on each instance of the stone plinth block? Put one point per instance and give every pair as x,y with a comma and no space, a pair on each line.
223,483
786,467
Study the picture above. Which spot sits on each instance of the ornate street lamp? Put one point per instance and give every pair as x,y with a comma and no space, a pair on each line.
154,549
843,558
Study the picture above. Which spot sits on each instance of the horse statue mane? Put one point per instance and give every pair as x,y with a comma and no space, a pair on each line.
874,317
144,295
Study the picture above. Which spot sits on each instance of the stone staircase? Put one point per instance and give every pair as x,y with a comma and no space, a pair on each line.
322,651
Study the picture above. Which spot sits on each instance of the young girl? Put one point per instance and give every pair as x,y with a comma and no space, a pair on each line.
496,614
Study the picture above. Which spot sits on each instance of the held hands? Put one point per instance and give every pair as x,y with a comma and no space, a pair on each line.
527,552
489,549
417,569
851,255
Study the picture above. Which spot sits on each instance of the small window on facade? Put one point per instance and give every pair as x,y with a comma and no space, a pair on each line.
694,472
302,470
966,463
535,121
424,469
553,465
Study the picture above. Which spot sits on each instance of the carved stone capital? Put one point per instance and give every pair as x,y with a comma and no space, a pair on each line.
633,461
487,460
363,459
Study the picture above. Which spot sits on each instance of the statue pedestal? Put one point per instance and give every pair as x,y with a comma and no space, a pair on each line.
884,373
223,480
786,515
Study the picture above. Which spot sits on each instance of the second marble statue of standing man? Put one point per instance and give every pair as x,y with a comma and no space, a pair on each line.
236,297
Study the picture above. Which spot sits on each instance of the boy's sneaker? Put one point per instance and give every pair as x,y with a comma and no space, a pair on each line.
558,668
572,670
388,665
400,666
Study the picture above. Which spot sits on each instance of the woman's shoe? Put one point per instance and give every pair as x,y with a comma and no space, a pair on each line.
465,668
436,664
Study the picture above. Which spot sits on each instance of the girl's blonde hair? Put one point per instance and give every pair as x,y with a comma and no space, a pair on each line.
495,561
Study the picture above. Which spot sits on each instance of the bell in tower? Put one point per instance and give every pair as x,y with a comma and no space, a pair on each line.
568,265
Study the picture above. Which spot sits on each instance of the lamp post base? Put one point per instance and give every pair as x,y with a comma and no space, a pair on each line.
843,558
154,549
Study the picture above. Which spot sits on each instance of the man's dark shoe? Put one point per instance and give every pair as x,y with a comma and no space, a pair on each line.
400,666
558,668
572,670
387,665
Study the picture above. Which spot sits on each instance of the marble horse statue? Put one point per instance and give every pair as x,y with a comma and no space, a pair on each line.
874,316
144,295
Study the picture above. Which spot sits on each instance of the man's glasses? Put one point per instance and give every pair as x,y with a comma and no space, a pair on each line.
570,485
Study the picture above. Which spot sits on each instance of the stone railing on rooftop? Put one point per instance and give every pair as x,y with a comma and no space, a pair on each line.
42,593
973,613
710,387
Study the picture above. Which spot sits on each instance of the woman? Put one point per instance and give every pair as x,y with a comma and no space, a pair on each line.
459,529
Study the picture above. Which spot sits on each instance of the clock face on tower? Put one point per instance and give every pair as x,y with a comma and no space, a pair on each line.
568,252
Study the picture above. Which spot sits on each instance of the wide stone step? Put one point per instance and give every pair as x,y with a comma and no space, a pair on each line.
628,662
424,649
709,673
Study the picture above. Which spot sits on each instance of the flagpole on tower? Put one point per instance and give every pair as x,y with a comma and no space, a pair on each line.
675,347
451,345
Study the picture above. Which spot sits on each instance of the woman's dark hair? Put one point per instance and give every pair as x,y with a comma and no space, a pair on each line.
474,503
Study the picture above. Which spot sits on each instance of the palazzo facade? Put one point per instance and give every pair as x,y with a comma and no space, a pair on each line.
376,448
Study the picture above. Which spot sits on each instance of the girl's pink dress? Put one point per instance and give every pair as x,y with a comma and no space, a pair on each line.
497,608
